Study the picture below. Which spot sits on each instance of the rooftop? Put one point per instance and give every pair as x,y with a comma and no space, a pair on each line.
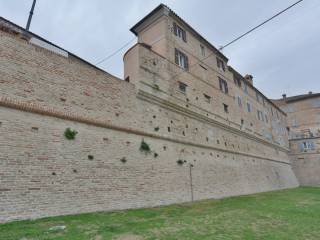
296,98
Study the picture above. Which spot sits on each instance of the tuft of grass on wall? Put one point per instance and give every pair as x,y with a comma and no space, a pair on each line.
70,134
144,147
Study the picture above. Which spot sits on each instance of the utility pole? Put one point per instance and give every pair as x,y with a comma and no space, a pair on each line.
30,15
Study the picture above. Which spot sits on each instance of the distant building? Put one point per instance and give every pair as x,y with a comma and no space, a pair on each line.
303,118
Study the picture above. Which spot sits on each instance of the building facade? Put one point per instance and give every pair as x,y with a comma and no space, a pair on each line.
182,126
303,117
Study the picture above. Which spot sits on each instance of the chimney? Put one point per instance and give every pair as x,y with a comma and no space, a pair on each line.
284,96
249,78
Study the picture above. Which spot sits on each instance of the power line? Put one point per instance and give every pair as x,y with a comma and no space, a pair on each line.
252,29
115,52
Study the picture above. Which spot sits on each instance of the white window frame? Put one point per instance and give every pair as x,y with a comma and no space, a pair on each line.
181,59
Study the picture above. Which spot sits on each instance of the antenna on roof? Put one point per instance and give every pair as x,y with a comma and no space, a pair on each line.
30,15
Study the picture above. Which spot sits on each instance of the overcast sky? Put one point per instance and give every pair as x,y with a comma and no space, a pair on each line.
283,55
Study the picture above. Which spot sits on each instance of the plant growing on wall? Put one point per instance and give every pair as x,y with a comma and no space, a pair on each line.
70,134
144,147
180,162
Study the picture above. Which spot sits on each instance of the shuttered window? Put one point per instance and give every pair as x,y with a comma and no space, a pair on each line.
223,85
181,59
179,32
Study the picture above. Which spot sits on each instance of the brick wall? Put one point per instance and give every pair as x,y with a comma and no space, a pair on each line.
43,174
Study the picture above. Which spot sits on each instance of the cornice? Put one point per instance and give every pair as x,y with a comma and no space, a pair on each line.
187,112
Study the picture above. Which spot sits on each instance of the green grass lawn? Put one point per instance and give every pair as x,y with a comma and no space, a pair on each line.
289,214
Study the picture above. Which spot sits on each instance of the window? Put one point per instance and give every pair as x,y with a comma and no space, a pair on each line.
223,85
239,101
245,88
203,51
183,87
258,97
266,118
237,80
249,107
304,146
260,115
181,59
225,107
207,98
220,64
179,32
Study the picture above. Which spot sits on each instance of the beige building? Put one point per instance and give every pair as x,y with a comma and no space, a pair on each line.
183,126
303,117
186,68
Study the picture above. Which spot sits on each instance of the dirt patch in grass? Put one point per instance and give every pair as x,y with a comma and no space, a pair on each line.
129,237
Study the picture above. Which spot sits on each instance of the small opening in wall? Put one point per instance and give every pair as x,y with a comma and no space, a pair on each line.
187,99
0,124
218,142
183,133
154,116
164,148
127,79
218,155
171,121
197,98
117,114
106,139
35,128
225,143
207,139
169,129
187,126
187,105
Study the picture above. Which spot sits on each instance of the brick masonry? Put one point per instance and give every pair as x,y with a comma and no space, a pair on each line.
43,174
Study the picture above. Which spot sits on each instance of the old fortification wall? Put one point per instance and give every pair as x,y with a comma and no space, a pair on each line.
44,174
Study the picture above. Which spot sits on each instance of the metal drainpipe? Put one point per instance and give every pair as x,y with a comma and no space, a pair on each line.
191,185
